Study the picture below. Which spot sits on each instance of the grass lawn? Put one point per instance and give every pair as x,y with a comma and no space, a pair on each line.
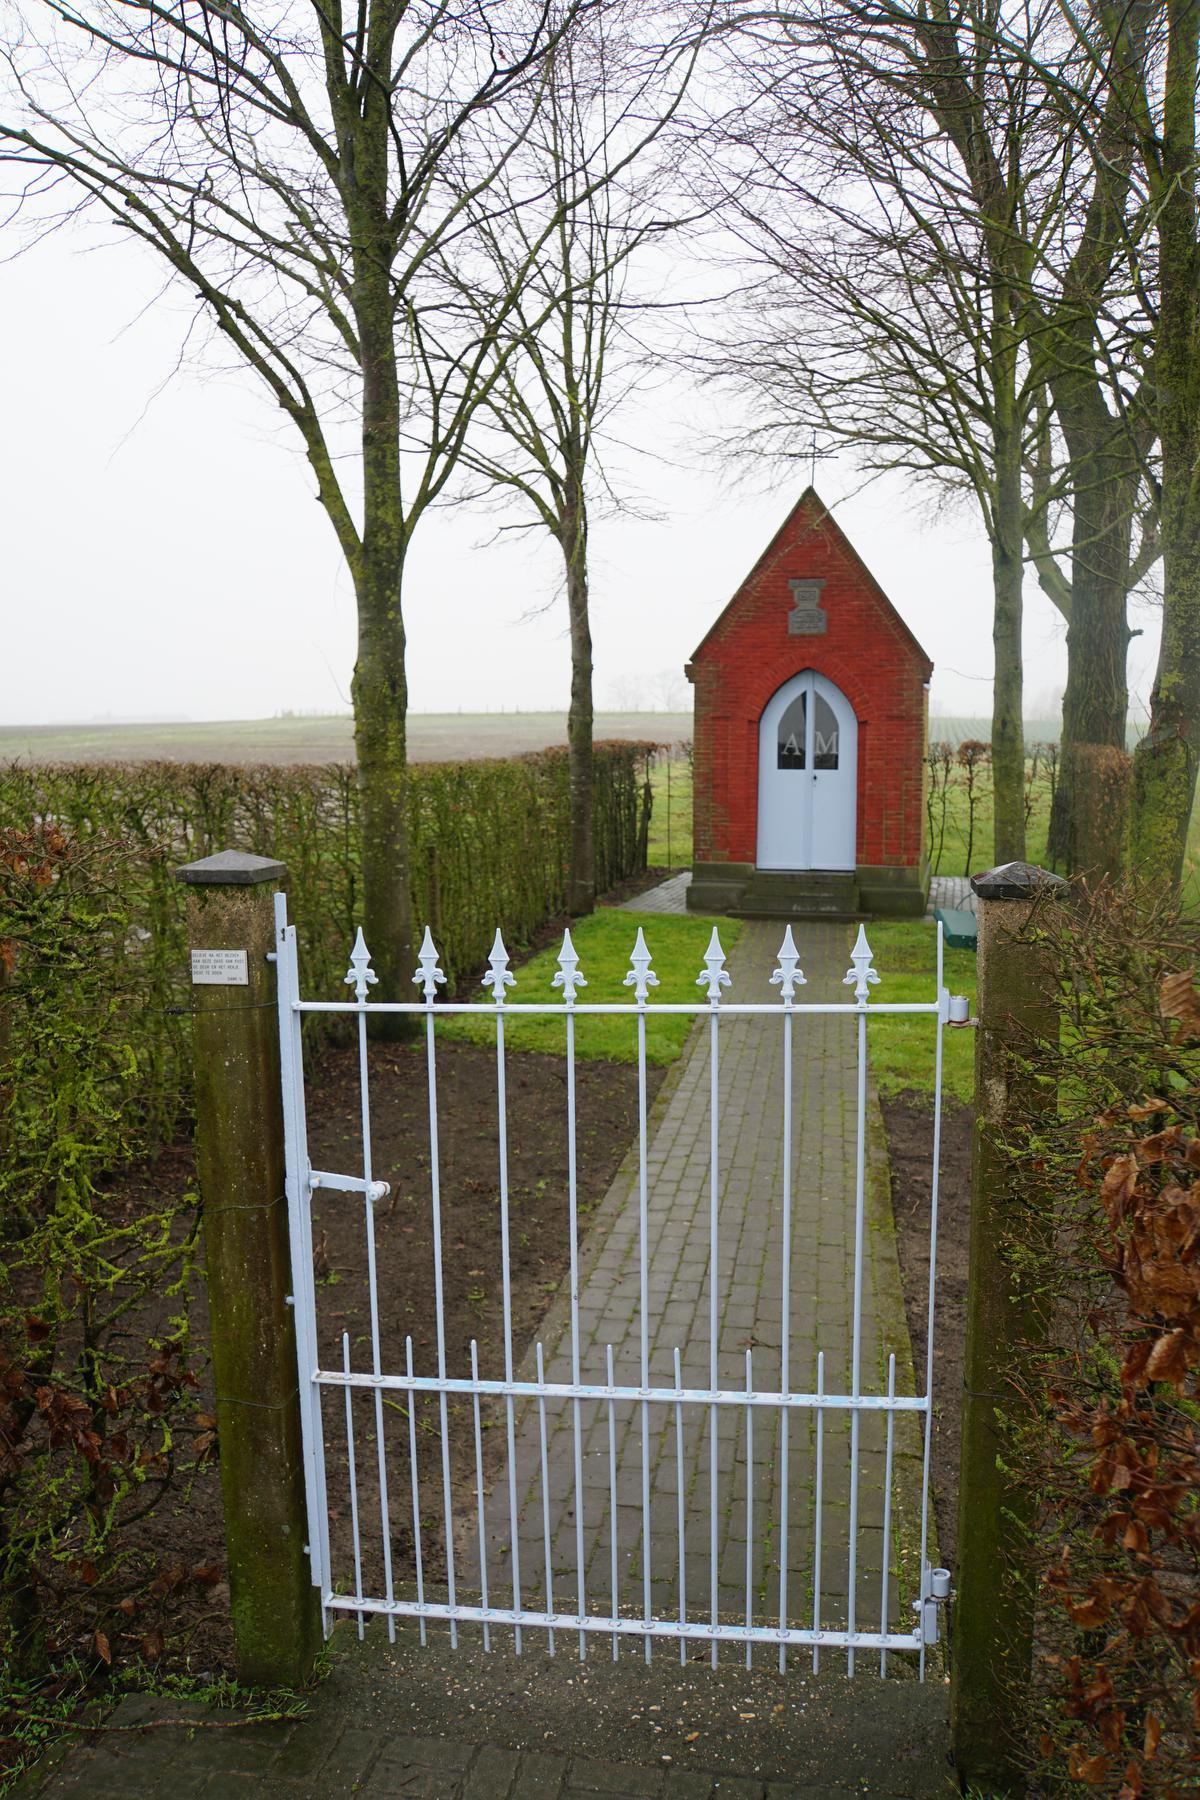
902,1050
670,840
603,943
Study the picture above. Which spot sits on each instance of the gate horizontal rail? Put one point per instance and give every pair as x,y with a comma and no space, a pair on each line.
665,1396
656,1008
712,1401
701,1631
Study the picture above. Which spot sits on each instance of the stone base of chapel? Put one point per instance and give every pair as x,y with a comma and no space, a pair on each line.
749,893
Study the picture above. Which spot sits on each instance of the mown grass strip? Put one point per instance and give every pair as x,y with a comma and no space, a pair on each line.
603,942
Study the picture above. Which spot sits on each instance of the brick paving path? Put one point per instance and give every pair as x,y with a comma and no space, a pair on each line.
950,890
669,896
749,1266
405,1721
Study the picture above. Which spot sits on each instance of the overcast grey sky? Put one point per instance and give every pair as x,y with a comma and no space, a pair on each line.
164,556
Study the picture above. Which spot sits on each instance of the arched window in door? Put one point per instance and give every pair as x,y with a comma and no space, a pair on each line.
825,735
791,736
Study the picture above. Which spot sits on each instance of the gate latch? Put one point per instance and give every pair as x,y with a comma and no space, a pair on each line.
935,1594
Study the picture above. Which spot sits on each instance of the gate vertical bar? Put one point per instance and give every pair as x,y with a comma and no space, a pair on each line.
291,1060
350,1462
681,1496
714,978
416,1483
714,1326
749,1506
818,1493
499,980
644,1316
942,1016
786,1331
642,978
786,977
360,976
569,979
428,976
612,1490
884,1572
541,1381
861,975
483,1574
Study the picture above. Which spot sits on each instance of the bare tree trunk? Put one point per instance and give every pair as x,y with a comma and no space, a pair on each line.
1090,815
1008,569
380,686
1165,762
380,695
581,894
1008,736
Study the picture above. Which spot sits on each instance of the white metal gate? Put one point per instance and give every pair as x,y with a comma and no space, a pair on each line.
790,1617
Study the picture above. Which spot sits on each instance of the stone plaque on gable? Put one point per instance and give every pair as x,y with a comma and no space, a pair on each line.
807,619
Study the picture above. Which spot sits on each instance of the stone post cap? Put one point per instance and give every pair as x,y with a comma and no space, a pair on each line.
1017,881
231,868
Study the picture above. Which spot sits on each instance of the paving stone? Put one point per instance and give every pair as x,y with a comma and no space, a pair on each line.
350,1761
394,1783
540,1776
437,1754
302,1755
682,1784
614,1778
492,1775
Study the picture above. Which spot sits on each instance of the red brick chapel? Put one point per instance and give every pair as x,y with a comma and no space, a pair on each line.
811,719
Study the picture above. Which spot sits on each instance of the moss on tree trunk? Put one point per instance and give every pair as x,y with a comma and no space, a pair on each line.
1165,762
581,888
1008,735
380,686
1090,815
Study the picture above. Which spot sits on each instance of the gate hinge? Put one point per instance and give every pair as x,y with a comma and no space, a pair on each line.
936,1592
348,1184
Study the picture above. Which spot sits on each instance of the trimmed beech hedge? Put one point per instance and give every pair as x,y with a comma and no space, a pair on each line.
489,846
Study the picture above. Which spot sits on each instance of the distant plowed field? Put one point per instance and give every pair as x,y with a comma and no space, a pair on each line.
432,737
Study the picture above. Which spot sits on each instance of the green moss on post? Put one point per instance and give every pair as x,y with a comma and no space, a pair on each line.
239,1120
994,1612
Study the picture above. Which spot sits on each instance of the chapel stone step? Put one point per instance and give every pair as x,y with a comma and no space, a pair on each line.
800,894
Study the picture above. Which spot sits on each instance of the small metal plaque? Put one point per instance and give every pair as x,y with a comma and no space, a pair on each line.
219,968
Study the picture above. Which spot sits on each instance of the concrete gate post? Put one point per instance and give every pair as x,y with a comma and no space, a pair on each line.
239,1130
994,1615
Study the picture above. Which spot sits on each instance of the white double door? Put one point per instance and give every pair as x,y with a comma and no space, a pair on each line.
807,773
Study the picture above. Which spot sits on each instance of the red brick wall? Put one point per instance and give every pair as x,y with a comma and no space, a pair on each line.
866,650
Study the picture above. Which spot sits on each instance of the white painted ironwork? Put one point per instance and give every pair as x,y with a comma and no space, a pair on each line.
731,1414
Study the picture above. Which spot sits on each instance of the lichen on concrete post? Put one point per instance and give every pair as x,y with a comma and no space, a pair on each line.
240,1157
1017,1007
